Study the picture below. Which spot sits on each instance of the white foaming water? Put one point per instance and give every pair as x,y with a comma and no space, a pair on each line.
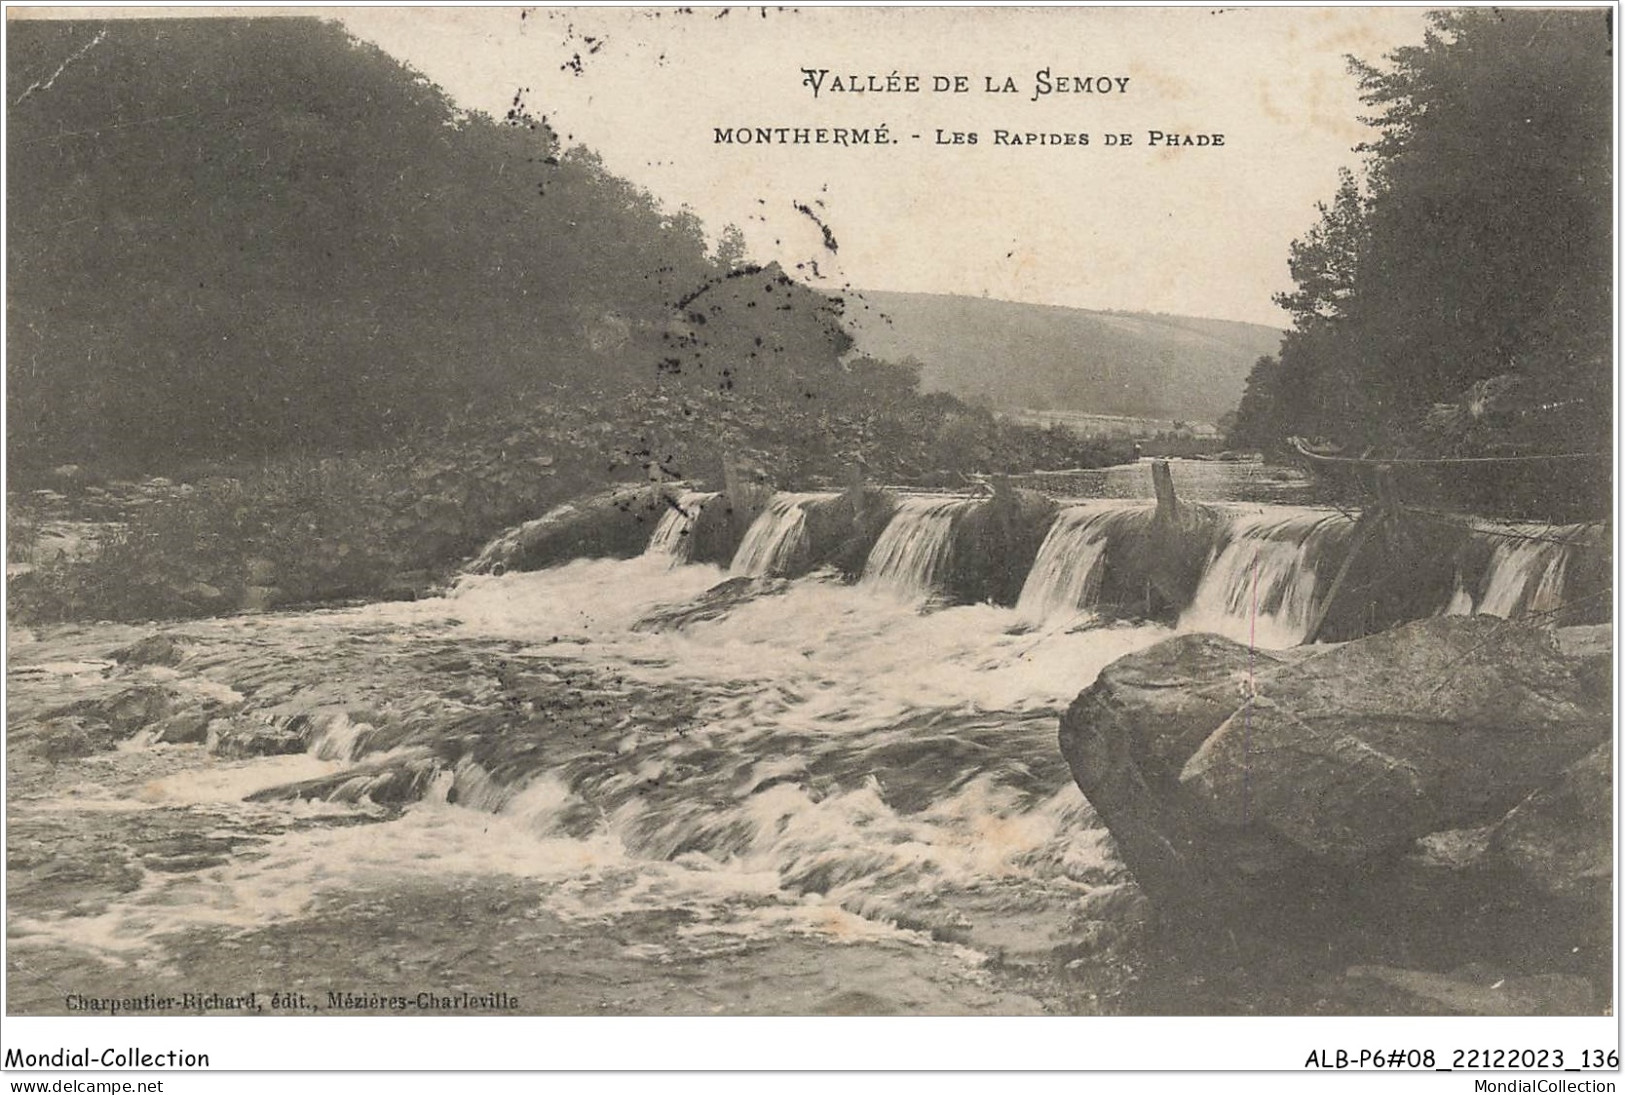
914,546
1461,601
1065,576
538,805
223,781
671,538
1259,588
1525,575
835,763
850,762
822,642
595,600
771,542
337,738
859,756
839,866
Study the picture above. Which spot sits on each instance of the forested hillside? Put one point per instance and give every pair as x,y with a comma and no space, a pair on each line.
226,234
1010,354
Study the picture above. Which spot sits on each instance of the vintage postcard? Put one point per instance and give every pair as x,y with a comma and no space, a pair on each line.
721,512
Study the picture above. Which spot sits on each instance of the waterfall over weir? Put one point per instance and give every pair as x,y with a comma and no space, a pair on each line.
729,791
1259,587
1065,577
1254,572
914,546
1262,582
1525,575
771,542
671,537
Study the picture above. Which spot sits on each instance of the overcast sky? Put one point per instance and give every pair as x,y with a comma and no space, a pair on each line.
1200,230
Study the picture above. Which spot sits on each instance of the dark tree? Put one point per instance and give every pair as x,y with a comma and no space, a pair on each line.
1258,421
1476,252
233,236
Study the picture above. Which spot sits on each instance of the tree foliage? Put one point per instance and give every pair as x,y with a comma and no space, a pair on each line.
1475,251
232,237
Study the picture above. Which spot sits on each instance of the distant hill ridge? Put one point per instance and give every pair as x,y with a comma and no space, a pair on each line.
1010,354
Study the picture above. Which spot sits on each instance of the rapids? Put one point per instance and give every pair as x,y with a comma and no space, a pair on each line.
821,764
825,765
773,539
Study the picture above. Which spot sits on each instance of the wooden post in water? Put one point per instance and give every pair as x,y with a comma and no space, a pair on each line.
1164,548
733,496
856,490
1162,480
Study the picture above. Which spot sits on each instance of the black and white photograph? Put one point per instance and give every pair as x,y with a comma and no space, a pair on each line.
837,511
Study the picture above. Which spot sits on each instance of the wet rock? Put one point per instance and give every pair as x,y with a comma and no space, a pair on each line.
153,650
400,781
125,712
1127,737
1588,580
616,524
995,544
1432,789
260,734
188,727
1163,702
1155,560
1376,594
1366,747
1559,840
73,736
1592,648
842,531
713,604
718,529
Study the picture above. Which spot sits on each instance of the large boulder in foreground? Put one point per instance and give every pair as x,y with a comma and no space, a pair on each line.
1443,781
1359,750
1550,840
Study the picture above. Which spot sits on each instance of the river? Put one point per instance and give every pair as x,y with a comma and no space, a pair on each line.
532,796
